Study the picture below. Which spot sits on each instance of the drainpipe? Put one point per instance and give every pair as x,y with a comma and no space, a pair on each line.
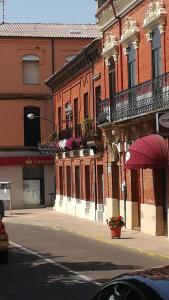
53,70
123,136
95,171
120,47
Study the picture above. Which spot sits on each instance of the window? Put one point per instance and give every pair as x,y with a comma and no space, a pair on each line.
86,105
59,119
98,99
77,182
68,111
156,53
131,66
32,134
68,180
87,182
30,69
76,112
61,180
112,78
76,118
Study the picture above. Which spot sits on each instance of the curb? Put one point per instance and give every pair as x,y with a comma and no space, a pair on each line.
95,238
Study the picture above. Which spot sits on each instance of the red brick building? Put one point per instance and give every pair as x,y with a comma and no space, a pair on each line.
117,85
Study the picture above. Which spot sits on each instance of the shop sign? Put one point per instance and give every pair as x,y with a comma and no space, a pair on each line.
22,161
162,123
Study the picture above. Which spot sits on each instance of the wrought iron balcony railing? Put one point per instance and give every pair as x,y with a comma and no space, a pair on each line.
102,6
101,2
65,133
104,112
147,97
69,132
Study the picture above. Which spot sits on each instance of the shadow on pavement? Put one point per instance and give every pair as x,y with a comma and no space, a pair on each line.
27,276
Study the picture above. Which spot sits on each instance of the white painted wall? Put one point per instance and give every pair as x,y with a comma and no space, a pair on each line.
49,183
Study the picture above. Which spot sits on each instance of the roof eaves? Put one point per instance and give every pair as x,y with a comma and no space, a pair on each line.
67,65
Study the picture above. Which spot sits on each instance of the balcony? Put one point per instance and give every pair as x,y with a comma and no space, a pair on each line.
104,14
148,97
104,112
101,3
109,9
65,133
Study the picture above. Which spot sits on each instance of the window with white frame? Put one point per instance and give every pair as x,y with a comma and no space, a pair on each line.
30,69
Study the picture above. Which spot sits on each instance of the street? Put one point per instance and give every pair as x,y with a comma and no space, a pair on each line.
55,264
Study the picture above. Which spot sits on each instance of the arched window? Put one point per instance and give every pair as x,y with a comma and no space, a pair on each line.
30,69
32,134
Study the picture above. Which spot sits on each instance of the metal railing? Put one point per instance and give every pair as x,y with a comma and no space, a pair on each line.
144,98
101,2
65,133
104,112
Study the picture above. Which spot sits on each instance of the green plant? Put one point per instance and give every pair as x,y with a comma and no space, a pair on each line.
86,125
115,222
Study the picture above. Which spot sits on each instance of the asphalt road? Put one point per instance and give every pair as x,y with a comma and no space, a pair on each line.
48,264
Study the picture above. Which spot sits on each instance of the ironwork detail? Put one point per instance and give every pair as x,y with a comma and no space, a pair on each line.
104,112
147,97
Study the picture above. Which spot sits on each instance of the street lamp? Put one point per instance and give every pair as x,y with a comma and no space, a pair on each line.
42,146
33,116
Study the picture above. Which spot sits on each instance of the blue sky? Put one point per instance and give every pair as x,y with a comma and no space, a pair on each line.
57,11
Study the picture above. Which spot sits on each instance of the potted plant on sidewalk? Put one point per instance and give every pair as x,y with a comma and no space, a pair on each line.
115,224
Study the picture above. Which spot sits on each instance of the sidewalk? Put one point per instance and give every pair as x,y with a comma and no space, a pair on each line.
131,240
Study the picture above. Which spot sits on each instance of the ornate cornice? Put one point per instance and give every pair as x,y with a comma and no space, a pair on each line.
81,62
130,34
110,47
156,16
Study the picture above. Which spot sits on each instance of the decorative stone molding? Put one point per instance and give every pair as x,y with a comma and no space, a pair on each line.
130,34
156,16
110,47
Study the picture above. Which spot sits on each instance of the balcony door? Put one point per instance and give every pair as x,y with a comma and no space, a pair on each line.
131,73
156,63
112,83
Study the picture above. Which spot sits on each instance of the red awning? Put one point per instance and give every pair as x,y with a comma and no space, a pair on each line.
147,152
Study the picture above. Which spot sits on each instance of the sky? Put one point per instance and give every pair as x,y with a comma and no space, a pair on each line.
49,11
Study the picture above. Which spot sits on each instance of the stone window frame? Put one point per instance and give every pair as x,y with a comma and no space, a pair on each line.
155,17
130,34
110,48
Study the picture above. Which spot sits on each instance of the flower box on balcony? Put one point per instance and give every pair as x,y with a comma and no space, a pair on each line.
86,152
58,155
76,153
67,154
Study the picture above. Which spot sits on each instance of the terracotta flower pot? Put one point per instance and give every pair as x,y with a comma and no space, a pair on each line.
115,232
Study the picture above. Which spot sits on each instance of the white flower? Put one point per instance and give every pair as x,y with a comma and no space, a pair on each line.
62,144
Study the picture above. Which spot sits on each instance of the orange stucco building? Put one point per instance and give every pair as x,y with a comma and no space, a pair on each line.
30,53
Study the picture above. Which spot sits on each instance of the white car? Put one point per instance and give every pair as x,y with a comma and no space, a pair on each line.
4,242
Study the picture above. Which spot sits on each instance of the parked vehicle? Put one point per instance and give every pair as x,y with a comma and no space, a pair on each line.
4,242
150,284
